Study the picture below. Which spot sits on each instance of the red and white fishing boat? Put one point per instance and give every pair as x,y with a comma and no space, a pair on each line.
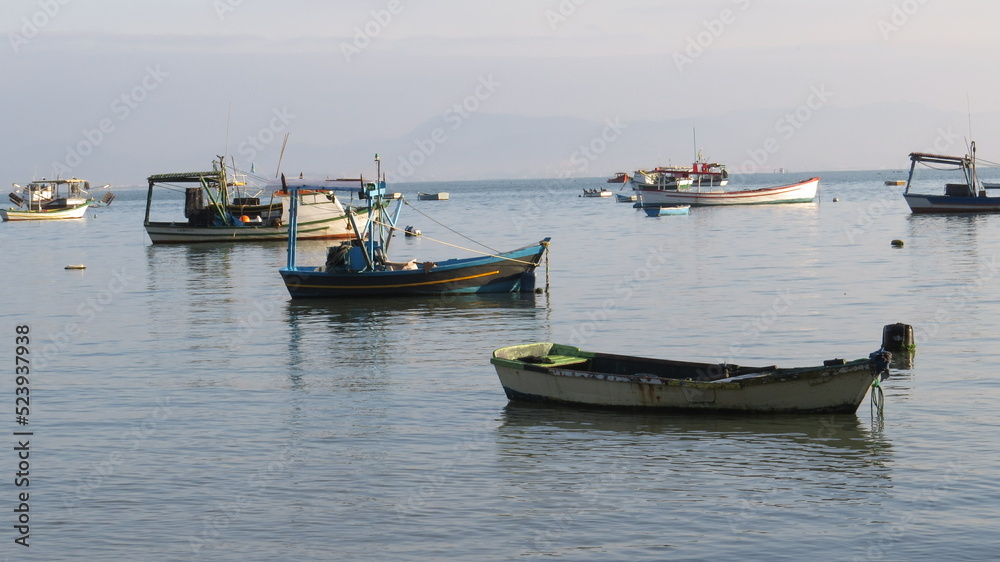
801,192
700,174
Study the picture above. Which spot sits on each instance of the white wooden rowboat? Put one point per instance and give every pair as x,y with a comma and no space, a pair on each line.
801,192
548,372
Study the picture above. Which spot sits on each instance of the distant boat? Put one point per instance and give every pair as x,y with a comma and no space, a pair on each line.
566,375
659,211
660,178
801,192
597,193
361,268
621,198
620,177
219,208
50,200
440,196
700,174
895,182
967,195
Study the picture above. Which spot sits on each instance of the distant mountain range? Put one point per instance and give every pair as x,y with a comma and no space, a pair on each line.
500,146
493,146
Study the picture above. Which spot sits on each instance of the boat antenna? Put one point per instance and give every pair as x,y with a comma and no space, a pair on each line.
968,109
694,138
282,155
229,117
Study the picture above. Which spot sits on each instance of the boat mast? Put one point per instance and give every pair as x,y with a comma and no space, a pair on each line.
293,222
972,180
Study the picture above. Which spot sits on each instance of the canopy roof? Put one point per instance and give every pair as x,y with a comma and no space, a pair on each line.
182,177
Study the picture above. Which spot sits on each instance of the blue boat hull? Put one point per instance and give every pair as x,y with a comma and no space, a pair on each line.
921,204
656,211
504,273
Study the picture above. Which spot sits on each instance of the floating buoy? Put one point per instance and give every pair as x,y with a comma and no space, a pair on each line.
897,243
836,199
898,337
76,266
411,231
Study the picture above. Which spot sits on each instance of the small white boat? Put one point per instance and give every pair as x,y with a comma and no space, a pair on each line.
562,374
597,193
56,199
439,196
75,211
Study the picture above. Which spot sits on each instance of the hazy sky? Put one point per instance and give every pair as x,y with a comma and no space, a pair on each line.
116,90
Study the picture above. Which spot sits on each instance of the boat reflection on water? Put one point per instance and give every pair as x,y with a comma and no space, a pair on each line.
840,435
443,307
699,476
375,333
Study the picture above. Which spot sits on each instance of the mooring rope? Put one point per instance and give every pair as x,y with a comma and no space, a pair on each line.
448,227
543,243
879,361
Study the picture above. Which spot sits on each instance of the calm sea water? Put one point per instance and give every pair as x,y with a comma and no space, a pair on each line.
182,407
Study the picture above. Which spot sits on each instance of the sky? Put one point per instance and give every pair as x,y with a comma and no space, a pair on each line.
114,91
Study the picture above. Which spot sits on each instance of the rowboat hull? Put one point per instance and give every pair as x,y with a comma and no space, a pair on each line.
802,192
73,212
925,204
580,378
504,273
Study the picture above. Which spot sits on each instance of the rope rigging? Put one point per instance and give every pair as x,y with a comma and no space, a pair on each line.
487,254
449,228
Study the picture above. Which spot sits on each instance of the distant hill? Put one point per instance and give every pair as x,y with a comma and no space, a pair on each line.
499,146
494,146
